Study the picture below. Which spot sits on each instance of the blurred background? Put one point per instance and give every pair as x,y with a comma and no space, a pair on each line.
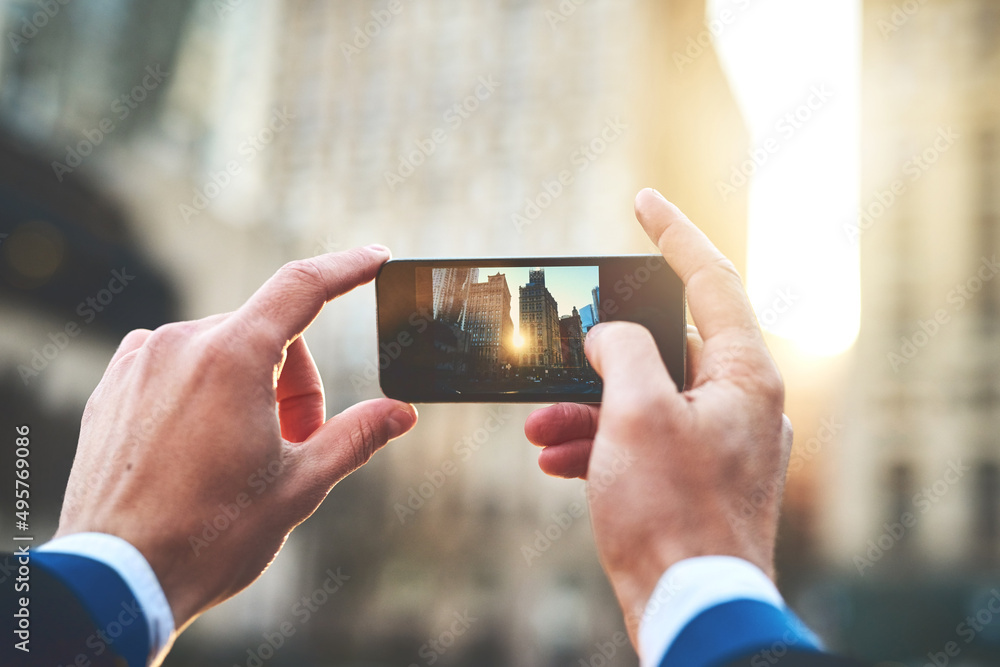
846,155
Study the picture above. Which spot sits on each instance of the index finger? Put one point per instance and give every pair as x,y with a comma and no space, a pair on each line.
714,290
292,298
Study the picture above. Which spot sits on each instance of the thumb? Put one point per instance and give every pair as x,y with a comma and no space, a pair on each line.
625,355
348,440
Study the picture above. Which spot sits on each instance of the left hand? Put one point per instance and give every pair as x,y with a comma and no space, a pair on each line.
206,442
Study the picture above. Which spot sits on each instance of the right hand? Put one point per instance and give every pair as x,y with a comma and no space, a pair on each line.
668,471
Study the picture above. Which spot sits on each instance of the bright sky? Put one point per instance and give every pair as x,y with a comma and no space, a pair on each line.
569,285
780,55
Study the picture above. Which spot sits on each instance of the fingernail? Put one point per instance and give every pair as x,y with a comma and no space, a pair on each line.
401,420
594,332
381,249
657,193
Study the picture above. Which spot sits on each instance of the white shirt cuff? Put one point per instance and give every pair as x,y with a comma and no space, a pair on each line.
692,586
132,567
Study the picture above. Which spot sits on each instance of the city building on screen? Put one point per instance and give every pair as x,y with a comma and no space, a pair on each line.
587,318
490,326
451,293
539,318
571,340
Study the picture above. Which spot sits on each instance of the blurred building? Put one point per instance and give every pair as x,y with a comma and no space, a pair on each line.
75,275
912,502
285,128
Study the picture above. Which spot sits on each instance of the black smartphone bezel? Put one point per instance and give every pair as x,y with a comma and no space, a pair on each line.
396,308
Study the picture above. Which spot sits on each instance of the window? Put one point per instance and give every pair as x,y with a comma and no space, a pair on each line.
986,522
988,26
988,171
900,485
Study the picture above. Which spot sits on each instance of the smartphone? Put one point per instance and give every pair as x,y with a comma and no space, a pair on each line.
498,330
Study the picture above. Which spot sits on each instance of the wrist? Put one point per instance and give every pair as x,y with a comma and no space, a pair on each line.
135,571
634,580
641,584
691,588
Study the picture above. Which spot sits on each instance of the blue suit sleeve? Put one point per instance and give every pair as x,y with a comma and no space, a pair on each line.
740,630
119,624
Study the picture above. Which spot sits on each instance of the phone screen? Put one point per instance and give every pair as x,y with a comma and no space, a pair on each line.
501,330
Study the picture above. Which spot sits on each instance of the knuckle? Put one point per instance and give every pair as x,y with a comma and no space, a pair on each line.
306,272
619,334
170,336
640,407
772,386
591,418
135,337
712,270
632,329
787,432
725,266
357,255
640,333
363,441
